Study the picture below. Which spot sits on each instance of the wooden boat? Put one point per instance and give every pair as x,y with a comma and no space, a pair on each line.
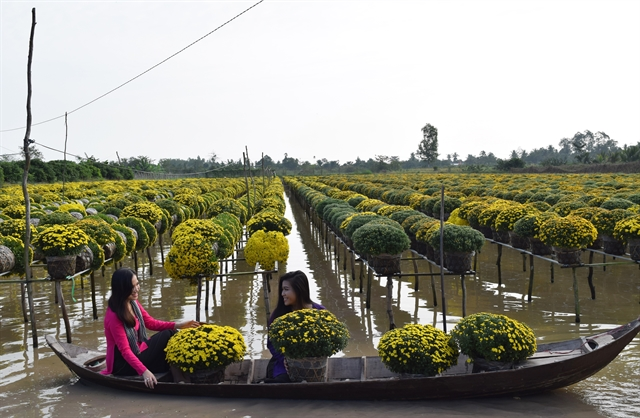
553,366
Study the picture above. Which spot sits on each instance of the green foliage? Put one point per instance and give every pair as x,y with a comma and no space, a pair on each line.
308,333
375,238
417,349
457,238
494,338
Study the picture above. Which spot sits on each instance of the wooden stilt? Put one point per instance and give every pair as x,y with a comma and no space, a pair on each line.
63,307
23,301
529,294
369,283
361,274
135,261
344,258
416,284
353,266
93,295
150,261
161,250
206,295
524,262
552,273
433,286
576,298
267,305
464,296
198,298
475,261
499,264
590,277
81,282
392,324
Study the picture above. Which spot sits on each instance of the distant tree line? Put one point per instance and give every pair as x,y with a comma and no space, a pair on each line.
583,148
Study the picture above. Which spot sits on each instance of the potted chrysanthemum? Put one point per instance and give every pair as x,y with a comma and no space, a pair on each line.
529,227
266,248
60,244
487,337
568,236
459,245
383,243
417,350
307,337
628,230
605,222
202,353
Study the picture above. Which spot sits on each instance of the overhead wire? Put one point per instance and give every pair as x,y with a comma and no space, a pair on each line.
139,75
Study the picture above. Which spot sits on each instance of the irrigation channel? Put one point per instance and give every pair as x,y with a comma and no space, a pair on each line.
33,382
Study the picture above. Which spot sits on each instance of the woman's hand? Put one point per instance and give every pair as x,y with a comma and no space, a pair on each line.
149,379
187,324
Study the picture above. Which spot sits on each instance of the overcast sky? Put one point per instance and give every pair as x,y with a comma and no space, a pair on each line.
319,79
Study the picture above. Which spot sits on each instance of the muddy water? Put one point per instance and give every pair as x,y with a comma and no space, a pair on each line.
35,383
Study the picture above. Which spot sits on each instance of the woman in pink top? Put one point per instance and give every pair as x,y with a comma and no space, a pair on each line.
129,351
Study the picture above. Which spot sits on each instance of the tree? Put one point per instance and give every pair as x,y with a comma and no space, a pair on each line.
428,147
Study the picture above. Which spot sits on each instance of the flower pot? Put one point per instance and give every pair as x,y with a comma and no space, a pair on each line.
538,247
60,267
634,249
500,236
597,244
110,248
568,256
486,231
516,241
310,369
215,375
457,261
84,259
385,264
7,259
610,245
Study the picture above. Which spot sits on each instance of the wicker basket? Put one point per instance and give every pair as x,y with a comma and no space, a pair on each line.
539,248
7,259
610,245
458,262
596,245
385,264
568,256
486,231
310,369
634,249
516,241
207,376
110,248
84,259
500,236
61,267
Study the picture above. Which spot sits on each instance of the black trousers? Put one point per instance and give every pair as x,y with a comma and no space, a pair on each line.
153,357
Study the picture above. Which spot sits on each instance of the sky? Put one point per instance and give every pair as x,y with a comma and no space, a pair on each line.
318,79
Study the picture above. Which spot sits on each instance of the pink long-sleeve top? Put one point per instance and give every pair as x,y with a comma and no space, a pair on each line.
117,337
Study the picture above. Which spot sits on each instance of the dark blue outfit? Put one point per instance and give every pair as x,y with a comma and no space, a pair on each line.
278,367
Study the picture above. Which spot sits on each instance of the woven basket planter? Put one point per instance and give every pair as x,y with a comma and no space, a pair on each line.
486,231
568,256
110,247
7,259
385,264
60,267
610,245
516,241
84,259
310,369
539,248
634,249
458,262
500,236
207,376
597,244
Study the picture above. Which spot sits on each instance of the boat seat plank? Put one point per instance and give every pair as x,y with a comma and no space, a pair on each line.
259,370
344,368
377,370
237,372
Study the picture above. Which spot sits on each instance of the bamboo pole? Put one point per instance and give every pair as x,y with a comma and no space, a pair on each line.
444,303
576,297
590,277
25,176
392,324
531,270
499,264
93,295
63,307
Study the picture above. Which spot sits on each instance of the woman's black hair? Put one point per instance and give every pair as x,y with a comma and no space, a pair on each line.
300,285
121,288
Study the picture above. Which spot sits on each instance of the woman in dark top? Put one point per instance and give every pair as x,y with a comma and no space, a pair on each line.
293,295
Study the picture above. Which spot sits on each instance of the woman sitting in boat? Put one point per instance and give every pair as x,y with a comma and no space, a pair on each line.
293,295
129,351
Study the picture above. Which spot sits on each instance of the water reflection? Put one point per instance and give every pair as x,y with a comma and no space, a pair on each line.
34,382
